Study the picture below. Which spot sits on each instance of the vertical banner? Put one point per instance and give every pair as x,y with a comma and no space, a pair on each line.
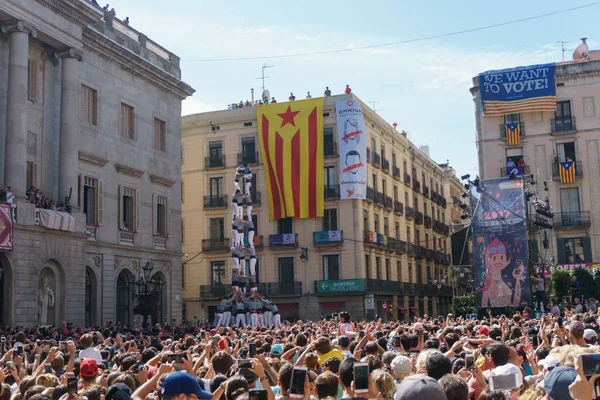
6,228
352,140
500,253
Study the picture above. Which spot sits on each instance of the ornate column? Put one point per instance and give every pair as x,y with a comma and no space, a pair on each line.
69,126
15,163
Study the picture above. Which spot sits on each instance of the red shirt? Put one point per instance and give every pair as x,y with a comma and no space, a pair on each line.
348,90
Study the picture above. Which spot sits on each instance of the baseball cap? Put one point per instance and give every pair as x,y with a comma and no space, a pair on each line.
507,369
590,334
549,362
576,327
401,365
419,387
418,326
183,383
276,350
484,330
118,391
88,368
213,332
556,383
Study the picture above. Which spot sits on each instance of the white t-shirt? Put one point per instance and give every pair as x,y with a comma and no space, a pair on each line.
10,197
346,327
92,353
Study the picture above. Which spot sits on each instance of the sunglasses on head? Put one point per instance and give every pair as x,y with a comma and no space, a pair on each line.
499,249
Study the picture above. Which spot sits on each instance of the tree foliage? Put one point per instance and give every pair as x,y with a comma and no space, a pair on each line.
463,305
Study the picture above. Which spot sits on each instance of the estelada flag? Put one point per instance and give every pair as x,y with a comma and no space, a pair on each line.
513,133
567,171
291,142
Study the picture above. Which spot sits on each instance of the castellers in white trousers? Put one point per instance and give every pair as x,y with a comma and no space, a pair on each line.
240,320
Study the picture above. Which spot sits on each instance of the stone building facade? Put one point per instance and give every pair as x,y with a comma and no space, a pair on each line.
89,108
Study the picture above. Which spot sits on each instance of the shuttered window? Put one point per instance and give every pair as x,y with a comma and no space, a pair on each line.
161,215
32,81
129,209
127,125
89,105
160,135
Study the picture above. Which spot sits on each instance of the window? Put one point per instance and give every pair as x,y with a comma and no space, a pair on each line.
89,105
566,151
562,116
395,193
382,151
330,222
367,266
394,160
183,275
160,135
375,182
217,229
219,273
388,269
328,142
385,226
215,158
429,280
247,123
569,201
182,230
377,268
216,187
286,225
249,154
91,199
376,222
32,81
410,273
419,274
574,250
427,244
515,155
127,125
31,174
397,230
366,220
399,270
129,212
162,220
512,118
418,238
383,187
330,176
373,145
286,270
405,166
408,234
331,267
253,188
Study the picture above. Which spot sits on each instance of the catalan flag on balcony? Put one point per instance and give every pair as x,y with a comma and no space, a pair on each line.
566,171
291,141
513,133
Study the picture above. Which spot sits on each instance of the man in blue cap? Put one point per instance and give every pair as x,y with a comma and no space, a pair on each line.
557,381
183,386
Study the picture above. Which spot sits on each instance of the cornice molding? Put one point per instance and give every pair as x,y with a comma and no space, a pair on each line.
135,64
70,53
19,26
92,159
159,180
82,12
125,170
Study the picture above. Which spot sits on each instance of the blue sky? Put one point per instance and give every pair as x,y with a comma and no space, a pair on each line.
423,86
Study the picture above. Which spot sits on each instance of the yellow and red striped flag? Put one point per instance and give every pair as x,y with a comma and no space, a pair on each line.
513,133
566,171
291,141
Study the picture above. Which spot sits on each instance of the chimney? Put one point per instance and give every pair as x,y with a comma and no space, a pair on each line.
583,40
252,95
403,133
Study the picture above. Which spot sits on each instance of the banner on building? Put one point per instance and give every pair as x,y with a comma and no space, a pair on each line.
513,133
341,286
516,90
6,228
566,170
500,251
291,142
352,139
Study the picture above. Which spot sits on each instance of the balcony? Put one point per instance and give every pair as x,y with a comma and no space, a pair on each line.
383,286
396,172
376,160
214,202
126,238
409,213
416,185
379,198
160,242
425,191
247,158
90,231
578,171
331,192
388,203
212,162
330,149
213,292
427,220
400,247
370,194
434,196
430,254
440,227
523,170
368,155
562,125
374,239
411,250
418,218
283,240
328,237
280,289
398,208
503,130
572,220
406,179
220,245
420,251
385,165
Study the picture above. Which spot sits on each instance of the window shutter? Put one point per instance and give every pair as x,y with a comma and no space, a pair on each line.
32,83
85,106
81,188
560,247
154,215
587,249
100,202
137,210
34,173
120,207
168,233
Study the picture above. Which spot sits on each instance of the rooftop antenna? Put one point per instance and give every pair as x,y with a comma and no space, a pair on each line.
263,77
562,48
373,104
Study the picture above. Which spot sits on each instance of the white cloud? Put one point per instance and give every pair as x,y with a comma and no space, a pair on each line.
192,105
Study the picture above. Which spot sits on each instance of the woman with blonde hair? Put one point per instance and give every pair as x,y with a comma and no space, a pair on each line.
384,382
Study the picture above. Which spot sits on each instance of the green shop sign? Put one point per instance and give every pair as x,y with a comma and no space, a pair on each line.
341,286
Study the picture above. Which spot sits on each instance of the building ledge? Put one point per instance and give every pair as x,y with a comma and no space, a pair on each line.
125,170
92,159
159,180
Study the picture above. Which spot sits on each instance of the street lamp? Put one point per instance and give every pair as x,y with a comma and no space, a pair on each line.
147,289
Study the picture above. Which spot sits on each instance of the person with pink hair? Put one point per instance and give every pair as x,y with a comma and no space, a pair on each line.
496,293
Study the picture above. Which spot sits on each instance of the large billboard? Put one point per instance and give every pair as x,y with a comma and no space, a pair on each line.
516,90
500,253
352,139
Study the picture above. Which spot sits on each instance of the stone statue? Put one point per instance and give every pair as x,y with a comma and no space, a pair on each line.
45,300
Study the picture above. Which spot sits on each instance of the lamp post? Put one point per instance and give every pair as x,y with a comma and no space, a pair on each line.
147,289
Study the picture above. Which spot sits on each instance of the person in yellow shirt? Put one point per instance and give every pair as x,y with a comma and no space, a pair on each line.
324,350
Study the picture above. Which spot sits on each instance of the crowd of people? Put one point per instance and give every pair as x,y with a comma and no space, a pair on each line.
272,100
446,358
41,200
